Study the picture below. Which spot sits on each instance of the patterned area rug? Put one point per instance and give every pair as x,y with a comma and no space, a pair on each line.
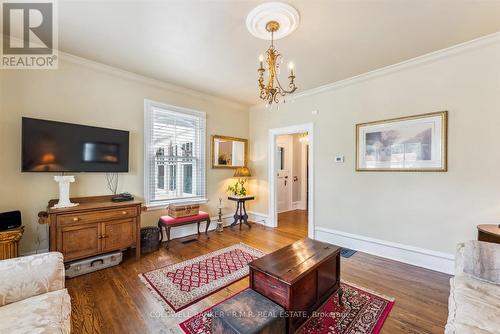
363,312
182,284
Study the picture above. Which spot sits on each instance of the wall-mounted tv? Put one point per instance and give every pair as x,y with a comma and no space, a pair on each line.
49,146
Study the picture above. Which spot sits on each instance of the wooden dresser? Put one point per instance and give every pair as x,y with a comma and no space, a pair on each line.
299,277
97,225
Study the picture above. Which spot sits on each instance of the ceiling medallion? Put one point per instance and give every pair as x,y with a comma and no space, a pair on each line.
271,21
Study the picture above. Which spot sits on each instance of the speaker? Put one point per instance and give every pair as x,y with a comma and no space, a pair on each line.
9,220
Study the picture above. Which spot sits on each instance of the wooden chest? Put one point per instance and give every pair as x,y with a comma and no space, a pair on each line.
299,277
183,210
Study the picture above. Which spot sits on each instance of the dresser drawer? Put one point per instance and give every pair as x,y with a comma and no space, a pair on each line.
270,287
92,217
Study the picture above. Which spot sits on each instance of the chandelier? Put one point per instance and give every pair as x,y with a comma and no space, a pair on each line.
272,91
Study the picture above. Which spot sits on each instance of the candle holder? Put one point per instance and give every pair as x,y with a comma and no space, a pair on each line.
220,227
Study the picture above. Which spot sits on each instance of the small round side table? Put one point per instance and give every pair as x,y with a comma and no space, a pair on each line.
240,217
9,242
488,233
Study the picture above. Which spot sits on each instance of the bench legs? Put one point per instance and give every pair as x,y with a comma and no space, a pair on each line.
167,229
167,232
207,225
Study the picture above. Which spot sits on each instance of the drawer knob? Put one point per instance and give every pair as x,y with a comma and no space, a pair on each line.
76,219
124,212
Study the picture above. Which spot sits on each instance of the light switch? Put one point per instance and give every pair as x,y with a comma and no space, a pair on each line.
339,159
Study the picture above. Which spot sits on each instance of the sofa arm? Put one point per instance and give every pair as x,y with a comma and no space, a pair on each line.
459,259
29,276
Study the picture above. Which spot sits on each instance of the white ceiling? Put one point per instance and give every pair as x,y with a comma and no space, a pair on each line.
204,44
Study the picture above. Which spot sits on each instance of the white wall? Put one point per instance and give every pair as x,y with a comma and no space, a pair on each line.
429,211
93,94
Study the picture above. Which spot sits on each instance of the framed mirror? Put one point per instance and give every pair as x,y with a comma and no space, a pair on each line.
229,152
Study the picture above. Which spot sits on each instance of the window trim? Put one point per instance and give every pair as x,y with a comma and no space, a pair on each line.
148,110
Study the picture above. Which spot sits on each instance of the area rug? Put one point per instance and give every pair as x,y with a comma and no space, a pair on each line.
364,312
184,283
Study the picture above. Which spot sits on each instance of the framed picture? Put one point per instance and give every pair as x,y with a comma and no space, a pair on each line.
407,144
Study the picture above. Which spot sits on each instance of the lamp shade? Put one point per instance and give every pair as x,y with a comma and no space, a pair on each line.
242,172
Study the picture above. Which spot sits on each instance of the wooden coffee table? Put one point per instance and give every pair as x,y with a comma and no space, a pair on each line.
299,277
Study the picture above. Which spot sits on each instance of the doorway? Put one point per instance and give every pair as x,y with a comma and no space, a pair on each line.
291,191
290,179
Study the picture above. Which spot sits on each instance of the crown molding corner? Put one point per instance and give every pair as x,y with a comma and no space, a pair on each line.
406,64
124,74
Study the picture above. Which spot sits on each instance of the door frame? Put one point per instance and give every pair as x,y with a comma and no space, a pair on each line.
303,175
289,158
272,176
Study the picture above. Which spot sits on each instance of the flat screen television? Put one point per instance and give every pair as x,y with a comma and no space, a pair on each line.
49,146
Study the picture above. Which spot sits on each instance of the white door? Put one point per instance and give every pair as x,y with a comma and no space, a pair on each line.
284,163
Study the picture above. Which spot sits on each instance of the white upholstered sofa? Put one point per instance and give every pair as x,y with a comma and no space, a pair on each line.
32,295
474,304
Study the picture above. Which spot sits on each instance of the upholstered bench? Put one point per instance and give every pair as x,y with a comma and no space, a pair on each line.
248,313
168,222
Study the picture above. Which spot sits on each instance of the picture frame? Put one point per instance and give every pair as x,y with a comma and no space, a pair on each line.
228,152
416,143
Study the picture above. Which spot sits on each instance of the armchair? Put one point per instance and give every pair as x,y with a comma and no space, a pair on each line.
32,295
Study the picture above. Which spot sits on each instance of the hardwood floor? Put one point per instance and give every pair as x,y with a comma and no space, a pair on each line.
114,300
294,222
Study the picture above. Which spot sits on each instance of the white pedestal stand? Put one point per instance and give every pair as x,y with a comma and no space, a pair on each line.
64,201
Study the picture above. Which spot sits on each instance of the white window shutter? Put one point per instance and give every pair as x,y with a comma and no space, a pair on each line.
174,154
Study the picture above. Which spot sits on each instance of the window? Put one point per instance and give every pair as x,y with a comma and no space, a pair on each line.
174,161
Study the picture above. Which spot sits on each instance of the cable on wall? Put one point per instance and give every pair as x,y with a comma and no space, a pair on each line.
112,180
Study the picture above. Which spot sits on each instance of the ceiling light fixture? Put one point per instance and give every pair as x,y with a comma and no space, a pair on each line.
270,21
272,91
304,138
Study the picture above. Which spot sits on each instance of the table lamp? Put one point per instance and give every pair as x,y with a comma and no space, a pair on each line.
239,187
241,172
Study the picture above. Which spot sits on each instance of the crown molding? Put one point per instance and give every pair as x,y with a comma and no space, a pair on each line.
67,57
124,74
406,64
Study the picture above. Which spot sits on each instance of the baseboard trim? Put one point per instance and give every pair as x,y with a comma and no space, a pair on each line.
187,230
258,217
421,257
299,205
